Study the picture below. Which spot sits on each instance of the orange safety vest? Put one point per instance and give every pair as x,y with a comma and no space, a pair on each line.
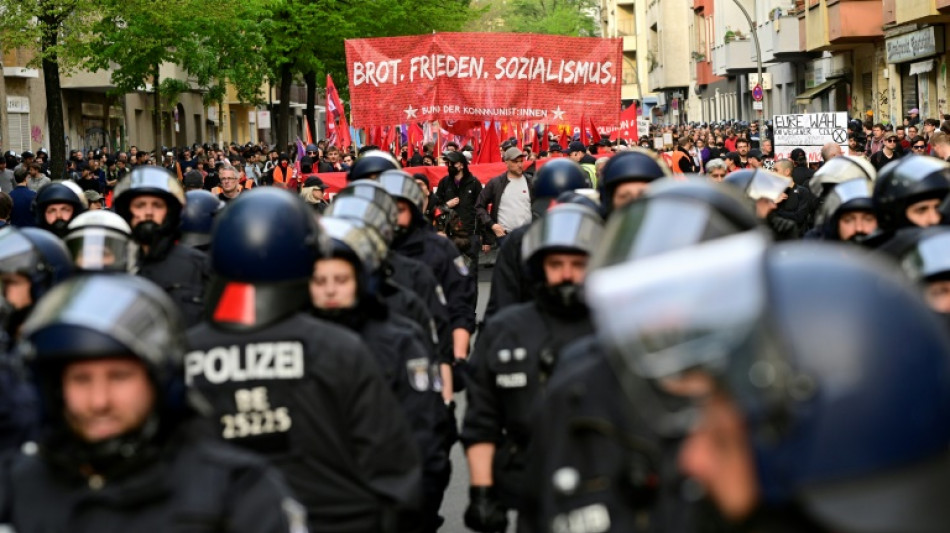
674,162
279,174
248,184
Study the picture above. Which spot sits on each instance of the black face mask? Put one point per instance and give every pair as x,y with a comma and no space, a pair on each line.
59,227
454,171
563,299
147,233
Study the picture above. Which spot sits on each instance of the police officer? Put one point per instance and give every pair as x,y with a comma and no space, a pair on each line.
344,290
767,190
836,170
118,452
847,213
627,175
515,355
774,397
908,192
32,261
151,200
927,263
509,285
409,286
56,204
197,218
305,393
100,240
417,239
596,460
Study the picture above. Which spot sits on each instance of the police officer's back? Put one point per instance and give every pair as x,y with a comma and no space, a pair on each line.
305,393
119,451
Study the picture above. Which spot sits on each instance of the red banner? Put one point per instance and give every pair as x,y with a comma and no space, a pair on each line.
479,76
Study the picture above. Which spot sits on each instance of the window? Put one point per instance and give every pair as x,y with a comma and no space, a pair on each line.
18,132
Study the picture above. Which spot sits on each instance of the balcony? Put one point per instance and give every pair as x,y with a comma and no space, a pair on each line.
704,73
780,39
99,81
735,56
705,5
909,11
625,2
844,24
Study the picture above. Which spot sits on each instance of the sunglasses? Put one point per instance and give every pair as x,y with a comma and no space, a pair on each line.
891,140
919,146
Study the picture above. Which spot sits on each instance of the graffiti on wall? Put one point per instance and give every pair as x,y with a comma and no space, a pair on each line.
36,135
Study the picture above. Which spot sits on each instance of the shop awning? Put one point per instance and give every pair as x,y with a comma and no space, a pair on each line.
921,67
806,97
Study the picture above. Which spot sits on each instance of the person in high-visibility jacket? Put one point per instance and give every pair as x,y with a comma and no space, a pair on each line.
283,174
230,186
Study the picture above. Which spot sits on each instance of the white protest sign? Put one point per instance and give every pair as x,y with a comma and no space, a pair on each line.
643,127
809,131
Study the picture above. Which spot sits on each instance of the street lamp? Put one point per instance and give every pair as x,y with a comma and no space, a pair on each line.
758,53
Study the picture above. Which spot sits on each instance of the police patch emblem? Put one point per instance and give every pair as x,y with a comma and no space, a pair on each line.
461,264
418,371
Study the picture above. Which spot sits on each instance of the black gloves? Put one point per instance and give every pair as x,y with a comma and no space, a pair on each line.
485,514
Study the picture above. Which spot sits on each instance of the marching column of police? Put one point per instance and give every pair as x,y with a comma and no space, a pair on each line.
657,356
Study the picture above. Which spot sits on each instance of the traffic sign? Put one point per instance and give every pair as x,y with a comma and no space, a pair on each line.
757,93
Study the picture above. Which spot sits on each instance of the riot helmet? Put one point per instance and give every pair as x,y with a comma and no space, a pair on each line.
352,207
837,170
96,317
262,252
402,186
101,240
927,262
371,164
846,197
197,219
673,214
64,193
634,165
554,178
152,181
905,182
808,363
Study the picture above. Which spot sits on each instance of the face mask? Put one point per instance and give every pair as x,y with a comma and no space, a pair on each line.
564,298
146,233
59,227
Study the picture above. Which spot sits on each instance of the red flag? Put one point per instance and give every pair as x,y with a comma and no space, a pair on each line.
389,138
489,152
535,142
628,125
415,136
545,140
344,133
307,135
594,134
336,115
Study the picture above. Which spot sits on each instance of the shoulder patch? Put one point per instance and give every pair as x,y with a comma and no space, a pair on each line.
461,264
418,372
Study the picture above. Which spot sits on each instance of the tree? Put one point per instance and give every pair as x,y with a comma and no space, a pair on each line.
552,17
41,27
213,41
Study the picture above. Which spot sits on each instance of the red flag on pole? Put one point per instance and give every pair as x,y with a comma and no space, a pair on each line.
489,152
628,125
307,135
336,115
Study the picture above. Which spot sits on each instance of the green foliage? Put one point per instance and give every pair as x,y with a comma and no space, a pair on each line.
552,17
51,29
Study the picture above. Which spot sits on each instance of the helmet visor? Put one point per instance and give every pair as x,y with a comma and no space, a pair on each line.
657,225
355,208
843,193
17,254
665,315
100,249
931,257
768,185
566,227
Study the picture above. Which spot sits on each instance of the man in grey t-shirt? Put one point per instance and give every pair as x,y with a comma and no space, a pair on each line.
6,177
505,202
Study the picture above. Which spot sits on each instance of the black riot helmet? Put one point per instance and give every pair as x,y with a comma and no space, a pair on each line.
262,252
374,192
928,259
808,361
402,186
371,164
845,197
197,219
674,214
151,181
58,192
905,182
838,170
352,207
37,255
558,176
635,164
565,228
572,229
99,316
360,245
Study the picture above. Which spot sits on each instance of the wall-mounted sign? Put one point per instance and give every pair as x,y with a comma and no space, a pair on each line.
915,45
